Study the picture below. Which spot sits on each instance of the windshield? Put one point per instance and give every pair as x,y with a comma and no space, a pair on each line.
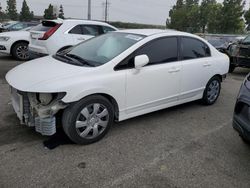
102,49
246,40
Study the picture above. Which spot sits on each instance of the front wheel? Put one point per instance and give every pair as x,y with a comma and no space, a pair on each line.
88,120
212,91
20,51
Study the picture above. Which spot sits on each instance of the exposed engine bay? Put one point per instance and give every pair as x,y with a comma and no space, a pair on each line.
38,109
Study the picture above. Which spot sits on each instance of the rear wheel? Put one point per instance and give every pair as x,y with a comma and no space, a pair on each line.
212,91
20,51
88,120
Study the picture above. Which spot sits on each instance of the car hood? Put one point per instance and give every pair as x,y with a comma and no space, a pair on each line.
37,75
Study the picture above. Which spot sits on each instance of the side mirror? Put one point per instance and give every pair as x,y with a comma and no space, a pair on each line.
141,61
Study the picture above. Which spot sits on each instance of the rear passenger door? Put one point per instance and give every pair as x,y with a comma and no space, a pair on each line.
196,67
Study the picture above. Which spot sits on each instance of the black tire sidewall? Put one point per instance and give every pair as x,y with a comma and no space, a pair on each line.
14,48
205,99
70,115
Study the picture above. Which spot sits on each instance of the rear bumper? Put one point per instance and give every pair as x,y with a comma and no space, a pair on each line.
38,49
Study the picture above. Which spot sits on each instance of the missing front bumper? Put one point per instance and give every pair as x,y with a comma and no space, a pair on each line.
32,114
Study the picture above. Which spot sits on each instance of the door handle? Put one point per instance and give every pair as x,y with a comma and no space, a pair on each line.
172,70
206,64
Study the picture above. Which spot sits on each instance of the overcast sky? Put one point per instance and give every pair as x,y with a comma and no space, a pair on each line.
140,11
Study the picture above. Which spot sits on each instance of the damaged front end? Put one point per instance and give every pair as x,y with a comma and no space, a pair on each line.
38,109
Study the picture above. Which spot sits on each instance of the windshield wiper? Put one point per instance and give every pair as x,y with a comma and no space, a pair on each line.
64,58
80,59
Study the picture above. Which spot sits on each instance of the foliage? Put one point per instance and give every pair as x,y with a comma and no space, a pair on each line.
209,16
125,25
61,12
25,14
49,13
11,10
232,10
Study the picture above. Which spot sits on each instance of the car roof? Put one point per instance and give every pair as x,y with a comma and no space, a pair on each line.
149,32
86,21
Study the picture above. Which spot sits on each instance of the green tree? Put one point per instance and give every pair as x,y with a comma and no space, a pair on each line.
206,9
2,15
49,13
232,11
25,14
247,17
61,12
215,19
11,10
184,16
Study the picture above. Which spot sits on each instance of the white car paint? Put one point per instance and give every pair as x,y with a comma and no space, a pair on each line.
136,91
61,38
14,37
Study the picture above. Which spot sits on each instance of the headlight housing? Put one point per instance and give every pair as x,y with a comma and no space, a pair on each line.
4,38
47,98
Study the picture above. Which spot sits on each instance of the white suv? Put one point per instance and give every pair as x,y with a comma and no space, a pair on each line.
52,36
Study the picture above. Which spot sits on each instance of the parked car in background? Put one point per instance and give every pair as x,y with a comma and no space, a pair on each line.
16,43
219,44
115,76
17,26
241,118
52,36
239,53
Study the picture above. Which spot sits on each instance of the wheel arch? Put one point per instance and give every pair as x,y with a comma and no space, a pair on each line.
217,75
111,99
12,46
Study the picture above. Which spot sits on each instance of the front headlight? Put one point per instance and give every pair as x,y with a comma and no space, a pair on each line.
4,38
47,98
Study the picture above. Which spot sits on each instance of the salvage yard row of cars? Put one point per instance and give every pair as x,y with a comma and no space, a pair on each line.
49,37
118,75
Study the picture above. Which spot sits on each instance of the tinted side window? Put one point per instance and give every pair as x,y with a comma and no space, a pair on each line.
90,30
161,51
107,29
76,30
193,48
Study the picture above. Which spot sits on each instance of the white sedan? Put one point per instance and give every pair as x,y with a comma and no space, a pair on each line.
115,76
15,43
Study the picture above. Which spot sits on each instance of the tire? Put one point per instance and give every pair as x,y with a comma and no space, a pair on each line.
212,91
231,68
20,51
94,115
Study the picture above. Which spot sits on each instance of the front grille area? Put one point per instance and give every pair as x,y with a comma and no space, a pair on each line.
244,52
28,115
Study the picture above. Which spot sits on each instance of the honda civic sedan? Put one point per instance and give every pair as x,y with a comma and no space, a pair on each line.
115,77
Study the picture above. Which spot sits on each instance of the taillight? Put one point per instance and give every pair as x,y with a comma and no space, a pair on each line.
50,32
